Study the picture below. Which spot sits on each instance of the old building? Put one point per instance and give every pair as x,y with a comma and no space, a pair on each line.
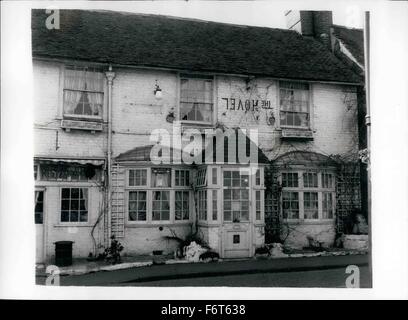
104,81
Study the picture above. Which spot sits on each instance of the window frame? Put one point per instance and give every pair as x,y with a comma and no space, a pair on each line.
201,76
310,106
172,189
301,190
249,188
89,209
61,115
37,189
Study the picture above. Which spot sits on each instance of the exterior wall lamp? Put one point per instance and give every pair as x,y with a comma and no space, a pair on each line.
157,92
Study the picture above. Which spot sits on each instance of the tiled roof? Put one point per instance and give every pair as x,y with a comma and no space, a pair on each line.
303,157
353,39
142,153
185,44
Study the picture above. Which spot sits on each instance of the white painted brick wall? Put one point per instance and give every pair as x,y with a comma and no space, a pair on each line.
136,113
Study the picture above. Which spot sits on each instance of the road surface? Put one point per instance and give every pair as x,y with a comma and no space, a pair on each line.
330,278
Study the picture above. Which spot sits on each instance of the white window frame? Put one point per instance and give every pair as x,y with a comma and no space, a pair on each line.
250,189
88,205
310,107
301,190
180,77
61,114
149,198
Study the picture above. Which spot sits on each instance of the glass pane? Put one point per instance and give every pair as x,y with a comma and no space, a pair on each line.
65,193
64,216
74,216
227,215
156,215
83,216
214,175
74,193
165,215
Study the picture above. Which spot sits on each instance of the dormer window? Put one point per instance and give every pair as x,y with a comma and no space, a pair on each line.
196,99
294,105
83,92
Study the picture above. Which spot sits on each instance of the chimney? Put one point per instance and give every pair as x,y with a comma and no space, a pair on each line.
315,24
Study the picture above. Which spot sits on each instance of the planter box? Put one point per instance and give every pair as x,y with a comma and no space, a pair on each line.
354,241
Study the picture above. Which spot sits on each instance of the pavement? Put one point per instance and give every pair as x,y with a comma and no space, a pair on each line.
210,269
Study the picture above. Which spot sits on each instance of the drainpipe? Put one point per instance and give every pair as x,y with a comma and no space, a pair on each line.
110,76
368,123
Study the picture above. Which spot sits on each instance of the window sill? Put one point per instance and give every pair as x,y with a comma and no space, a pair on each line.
296,134
208,223
82,118
72,224
310,221
156,224
81,124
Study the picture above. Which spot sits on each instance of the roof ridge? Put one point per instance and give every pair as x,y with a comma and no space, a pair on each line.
348,28
181,18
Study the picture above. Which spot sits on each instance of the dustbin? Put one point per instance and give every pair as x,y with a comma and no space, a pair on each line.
63,253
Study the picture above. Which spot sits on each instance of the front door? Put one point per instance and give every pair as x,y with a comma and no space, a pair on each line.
237,239
39,225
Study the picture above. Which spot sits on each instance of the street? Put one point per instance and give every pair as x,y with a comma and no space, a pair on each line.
330,278
298,272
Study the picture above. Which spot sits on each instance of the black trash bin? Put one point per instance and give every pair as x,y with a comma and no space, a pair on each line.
63,253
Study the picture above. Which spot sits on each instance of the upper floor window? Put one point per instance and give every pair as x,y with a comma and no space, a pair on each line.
83,92
196,98
294,104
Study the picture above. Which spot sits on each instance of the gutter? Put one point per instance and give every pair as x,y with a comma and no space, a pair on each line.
191,71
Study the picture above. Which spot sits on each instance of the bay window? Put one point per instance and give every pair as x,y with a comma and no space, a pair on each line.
83,92
308,195
158,195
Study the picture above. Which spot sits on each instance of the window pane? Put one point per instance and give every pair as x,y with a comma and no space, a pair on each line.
328,210
294,104
290,205
214,175
137,177
83,91
215,205
310,180
196,100
290,179
137,206
39,207
311,205
161,177
258,177
74,204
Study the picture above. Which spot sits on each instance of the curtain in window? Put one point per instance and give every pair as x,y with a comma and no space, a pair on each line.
83,205
179,205
83,94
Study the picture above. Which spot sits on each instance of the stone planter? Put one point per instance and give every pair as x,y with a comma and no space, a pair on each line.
355,241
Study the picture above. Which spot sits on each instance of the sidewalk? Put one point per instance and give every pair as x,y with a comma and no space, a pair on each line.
190,270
